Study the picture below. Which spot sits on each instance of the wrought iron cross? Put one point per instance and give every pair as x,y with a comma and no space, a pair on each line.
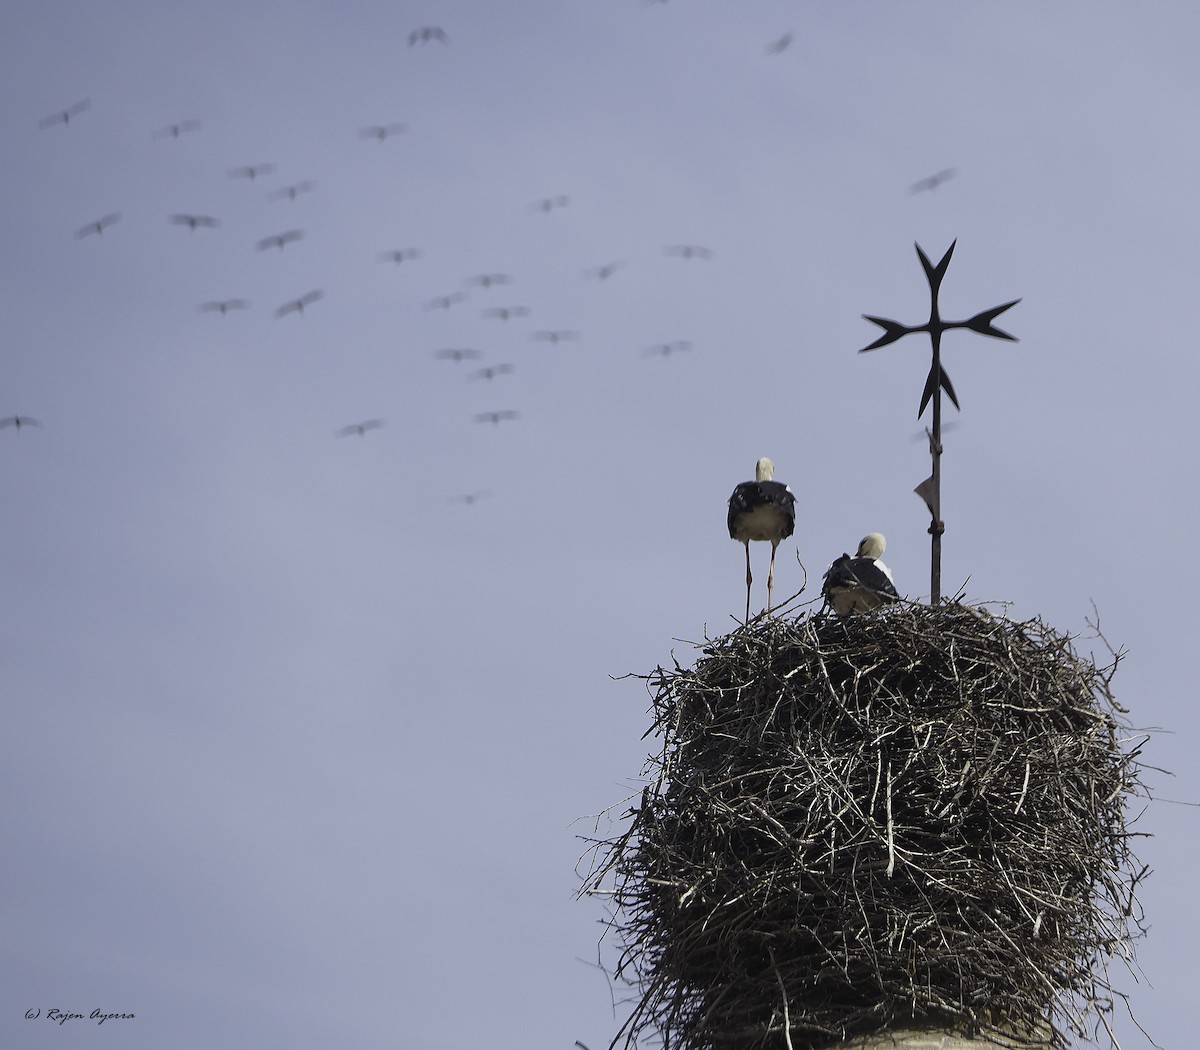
930,490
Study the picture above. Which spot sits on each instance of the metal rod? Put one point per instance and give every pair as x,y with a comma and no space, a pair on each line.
936,527
931,490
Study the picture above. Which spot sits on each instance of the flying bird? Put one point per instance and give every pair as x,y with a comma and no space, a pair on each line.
194,221
18,422
399,255
250,171
279,240
505,312
496,417
444,302
763,509
427,33
547,204
491,372
604,272
666,349
359,428
470,498
487,280
778,47
297,305
932,182
861,583
554,337
689,251
382,131
223,306
99,226
173,131
290,192
458,355
64,116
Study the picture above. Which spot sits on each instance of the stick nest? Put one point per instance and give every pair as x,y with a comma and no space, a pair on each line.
915,818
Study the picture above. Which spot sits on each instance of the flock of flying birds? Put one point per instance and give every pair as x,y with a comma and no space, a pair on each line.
759,510
196,223
765,510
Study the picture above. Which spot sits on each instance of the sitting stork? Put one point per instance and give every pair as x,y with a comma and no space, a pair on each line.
762,509
861,583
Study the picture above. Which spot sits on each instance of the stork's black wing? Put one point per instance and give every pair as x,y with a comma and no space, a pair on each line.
752,496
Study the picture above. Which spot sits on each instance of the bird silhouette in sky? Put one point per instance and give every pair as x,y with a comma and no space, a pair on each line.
503,313
491,371
456,355
99,226
399,255
548,204
296,306
173,131
250,171
278,240
193,222
689,251
18,422
488,280
359,428
603,273
667,349
424,34
932,182
290,192
444,302
223,306
381,132
554,336
778,47
63,116
470,498
496,418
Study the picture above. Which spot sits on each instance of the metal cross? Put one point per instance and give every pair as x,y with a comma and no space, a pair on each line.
930,490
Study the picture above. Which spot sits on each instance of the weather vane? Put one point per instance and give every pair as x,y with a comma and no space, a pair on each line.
930,490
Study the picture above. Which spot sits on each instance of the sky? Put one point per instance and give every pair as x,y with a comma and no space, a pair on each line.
302,726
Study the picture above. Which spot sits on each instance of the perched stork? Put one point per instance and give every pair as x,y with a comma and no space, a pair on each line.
762,509
861,583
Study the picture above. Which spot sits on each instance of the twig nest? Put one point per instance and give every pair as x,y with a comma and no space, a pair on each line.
910,819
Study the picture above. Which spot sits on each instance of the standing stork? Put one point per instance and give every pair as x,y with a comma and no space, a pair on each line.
762,509
861,583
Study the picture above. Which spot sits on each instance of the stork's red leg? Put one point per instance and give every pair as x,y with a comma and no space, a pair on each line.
771,576
749,580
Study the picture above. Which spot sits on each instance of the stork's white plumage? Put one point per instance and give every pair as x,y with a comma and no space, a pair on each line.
861,583
763,509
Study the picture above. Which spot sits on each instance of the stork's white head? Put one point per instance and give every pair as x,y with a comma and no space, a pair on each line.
872,545
764,470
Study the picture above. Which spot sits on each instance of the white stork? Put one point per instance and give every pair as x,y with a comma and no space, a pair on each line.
861,583
762,509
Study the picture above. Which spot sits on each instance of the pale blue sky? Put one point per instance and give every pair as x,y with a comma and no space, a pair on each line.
297,742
